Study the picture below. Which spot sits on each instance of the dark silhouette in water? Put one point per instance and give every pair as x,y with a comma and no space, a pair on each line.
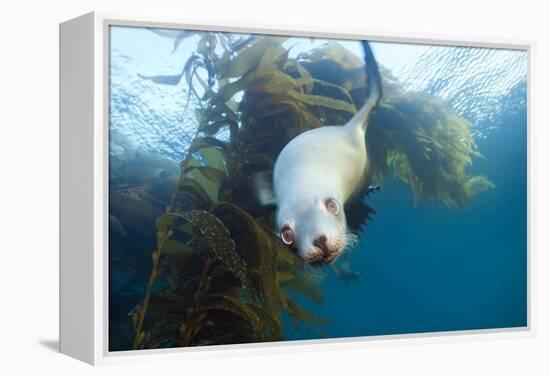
345,274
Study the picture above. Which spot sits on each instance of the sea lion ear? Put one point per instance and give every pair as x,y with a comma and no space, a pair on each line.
263,187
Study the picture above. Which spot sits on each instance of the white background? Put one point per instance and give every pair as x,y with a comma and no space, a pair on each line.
29,185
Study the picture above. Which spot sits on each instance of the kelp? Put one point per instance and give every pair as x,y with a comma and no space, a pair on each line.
435,162
220,275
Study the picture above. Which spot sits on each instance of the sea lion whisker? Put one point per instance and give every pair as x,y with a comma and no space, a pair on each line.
352,239
349,239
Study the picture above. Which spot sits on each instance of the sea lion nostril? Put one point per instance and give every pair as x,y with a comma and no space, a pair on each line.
321,243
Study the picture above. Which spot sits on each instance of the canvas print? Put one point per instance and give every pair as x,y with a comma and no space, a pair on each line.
269,188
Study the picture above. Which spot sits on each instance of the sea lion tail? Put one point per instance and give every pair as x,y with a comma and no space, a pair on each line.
360,120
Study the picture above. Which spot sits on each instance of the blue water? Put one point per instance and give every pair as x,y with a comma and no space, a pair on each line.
423,267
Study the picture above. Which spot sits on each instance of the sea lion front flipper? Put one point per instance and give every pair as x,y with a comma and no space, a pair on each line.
263,187
373,188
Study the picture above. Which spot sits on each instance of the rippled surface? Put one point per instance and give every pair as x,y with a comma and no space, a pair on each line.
473,80
149,115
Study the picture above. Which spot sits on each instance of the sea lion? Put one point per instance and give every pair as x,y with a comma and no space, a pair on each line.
316,173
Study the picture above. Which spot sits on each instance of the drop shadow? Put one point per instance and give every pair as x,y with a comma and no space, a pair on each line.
52,345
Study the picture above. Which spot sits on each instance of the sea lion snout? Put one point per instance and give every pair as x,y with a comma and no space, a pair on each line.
323,251
321,243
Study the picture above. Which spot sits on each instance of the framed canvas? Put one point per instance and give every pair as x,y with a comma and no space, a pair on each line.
243,188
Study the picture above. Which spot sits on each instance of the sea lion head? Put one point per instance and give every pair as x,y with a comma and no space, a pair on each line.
315,228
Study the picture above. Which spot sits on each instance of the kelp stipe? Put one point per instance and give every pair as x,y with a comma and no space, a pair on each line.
219,273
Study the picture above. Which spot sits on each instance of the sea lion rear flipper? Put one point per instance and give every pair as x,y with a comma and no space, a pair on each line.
264,188
359,121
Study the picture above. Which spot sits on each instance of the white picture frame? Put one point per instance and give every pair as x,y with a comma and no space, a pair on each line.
84,47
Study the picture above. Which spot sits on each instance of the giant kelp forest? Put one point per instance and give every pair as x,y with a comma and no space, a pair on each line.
217,273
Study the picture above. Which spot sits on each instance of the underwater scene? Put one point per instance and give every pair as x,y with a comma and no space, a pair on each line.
267,188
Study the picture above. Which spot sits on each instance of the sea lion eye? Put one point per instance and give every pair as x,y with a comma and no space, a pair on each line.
287,235
332,206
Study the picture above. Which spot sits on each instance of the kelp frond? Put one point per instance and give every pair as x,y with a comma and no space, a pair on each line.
422,141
